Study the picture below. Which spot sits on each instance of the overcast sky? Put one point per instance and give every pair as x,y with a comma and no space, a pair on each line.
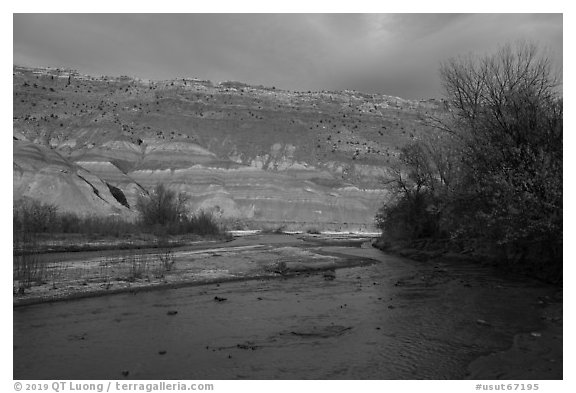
395,54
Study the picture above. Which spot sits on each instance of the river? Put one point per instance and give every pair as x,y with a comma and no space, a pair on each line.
393,319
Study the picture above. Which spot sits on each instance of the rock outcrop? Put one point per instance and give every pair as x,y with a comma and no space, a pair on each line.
41,173
260,155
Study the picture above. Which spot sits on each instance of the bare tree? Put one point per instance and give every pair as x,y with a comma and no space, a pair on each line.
506,100
162,206
491,167
506,111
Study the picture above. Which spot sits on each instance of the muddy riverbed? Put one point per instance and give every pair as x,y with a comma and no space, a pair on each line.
94,273
384,317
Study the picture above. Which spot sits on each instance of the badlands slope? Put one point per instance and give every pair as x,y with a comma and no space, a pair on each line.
258,155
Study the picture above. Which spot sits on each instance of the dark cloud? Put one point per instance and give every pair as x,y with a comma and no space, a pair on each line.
394,54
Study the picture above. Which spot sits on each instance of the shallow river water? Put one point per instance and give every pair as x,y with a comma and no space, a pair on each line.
394,319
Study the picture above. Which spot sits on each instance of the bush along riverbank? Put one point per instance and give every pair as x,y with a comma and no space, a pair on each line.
488,174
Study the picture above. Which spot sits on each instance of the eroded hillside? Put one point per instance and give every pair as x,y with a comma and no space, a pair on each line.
93,144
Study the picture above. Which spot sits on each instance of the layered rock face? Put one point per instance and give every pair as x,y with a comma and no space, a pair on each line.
41,173
253,154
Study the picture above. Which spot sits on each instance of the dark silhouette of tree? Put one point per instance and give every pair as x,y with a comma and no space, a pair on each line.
490,168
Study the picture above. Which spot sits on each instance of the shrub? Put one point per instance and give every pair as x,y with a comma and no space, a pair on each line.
27,267
417,184
32,216
167,260
162,206
138,265
110,225
408,219
165,212
202,223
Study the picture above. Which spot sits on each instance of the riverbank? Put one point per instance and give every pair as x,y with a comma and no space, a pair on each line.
71,243
74,275
526,261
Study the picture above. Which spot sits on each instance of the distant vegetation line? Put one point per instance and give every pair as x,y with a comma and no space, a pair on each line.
161,213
